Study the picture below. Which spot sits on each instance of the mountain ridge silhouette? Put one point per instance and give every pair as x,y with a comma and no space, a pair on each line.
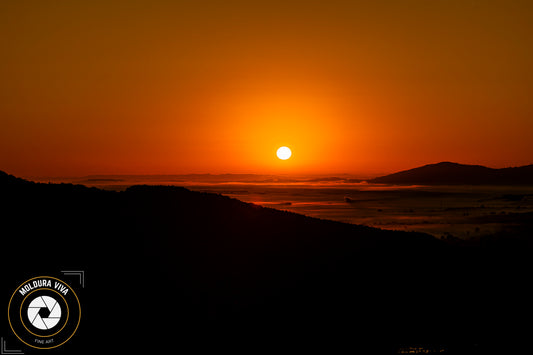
449,173
233,275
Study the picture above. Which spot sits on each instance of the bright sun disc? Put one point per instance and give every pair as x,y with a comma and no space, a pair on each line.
284,153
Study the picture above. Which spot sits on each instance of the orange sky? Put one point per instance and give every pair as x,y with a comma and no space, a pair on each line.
167,87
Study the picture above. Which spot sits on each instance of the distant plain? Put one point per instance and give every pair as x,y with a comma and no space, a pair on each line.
464,212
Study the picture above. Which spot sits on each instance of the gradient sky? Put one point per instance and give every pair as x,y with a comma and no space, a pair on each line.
166,87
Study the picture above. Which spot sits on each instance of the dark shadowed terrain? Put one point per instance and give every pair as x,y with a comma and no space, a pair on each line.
170,270
446,173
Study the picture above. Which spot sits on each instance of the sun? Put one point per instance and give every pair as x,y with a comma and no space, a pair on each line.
284,153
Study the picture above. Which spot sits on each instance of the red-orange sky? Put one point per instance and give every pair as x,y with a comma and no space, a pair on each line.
360,87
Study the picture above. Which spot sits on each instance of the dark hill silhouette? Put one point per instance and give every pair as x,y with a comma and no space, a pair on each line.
170,269
447,173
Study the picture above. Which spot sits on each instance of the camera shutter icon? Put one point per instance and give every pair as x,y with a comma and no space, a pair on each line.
44,312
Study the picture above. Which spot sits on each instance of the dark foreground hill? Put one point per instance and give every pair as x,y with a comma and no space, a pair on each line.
447,173
170,270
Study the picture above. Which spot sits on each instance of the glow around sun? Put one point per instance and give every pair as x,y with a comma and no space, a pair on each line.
284,153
